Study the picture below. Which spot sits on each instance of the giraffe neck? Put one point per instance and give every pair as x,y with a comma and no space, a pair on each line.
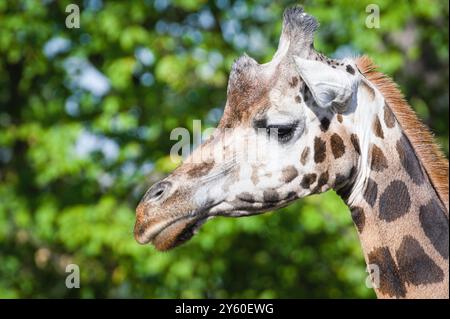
401,222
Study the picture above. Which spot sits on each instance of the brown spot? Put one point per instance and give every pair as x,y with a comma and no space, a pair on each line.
293,82
289,174
415,265
359,218
340,118
290,196
320,149
389,117
308,179
377,129
324,124
337,145
371,192
435,226
304,156
271,196
390,283
344,184
355,142
378,162
298,99
395,201
198,170
323,179
350,69
339,181
409,160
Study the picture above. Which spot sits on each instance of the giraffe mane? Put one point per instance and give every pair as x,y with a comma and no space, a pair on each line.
422,140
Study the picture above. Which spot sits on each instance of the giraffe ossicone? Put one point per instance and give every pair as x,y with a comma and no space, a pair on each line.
311,124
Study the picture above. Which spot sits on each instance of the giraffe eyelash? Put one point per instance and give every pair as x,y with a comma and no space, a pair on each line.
283,132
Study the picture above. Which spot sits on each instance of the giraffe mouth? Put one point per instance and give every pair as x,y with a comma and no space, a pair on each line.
170,234
177,233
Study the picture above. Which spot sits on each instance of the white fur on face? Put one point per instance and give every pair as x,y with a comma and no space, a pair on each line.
260,162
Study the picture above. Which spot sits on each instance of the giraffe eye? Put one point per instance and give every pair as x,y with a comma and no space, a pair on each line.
283,132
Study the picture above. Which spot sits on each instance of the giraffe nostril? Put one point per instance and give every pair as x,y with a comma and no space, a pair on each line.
156,191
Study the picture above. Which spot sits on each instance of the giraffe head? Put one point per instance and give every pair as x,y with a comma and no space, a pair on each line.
283,136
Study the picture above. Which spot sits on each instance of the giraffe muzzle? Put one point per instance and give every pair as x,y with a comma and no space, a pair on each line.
170,233
166,216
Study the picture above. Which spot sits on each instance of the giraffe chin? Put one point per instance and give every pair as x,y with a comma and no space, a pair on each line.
177,233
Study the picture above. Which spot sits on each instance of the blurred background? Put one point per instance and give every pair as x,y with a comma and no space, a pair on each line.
85,120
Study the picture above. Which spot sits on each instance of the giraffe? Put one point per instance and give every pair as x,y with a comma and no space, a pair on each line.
322,124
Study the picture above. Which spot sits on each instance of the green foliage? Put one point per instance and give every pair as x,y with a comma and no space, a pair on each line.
75,161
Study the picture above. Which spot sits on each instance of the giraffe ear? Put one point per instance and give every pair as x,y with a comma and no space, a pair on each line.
331,87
